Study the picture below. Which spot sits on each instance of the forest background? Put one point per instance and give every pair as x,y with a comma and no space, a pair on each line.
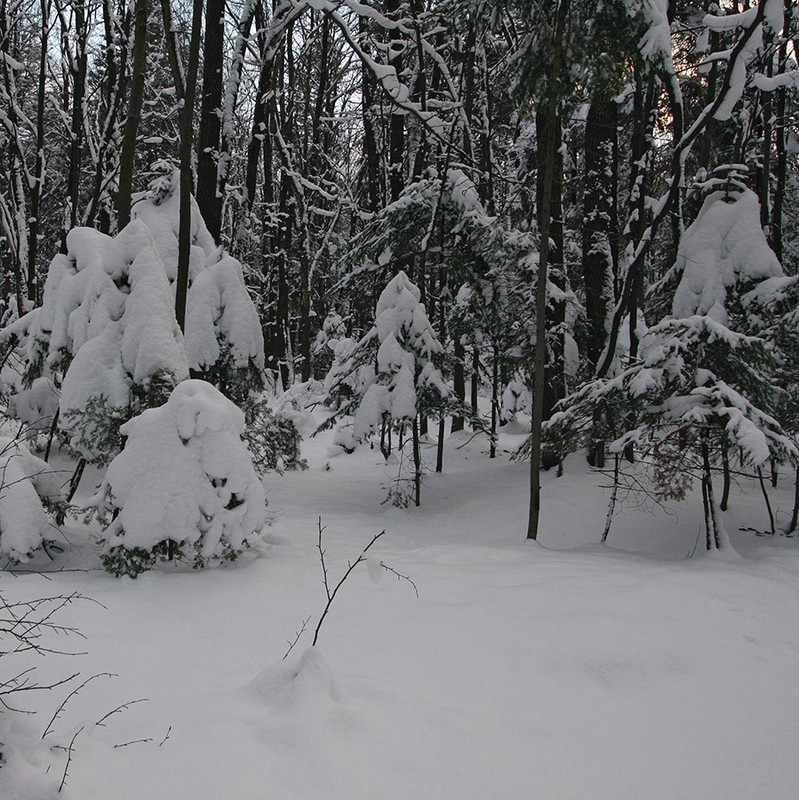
551,177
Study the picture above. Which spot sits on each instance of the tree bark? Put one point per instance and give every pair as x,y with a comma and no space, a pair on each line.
209,199
127,157
78,75
186,182
552,105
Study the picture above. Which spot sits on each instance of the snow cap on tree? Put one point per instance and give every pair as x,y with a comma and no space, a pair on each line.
406,379
400,312
220,311
722,254
392,373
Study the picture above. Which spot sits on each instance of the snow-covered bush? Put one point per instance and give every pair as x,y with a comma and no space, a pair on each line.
27,486
183,487
517,398
333,330
106,337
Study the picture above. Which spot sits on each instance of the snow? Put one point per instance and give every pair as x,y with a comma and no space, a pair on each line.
560,670
655,43
151,342
723,251
220,309
162,218
25,481
185,475
738,70
35,406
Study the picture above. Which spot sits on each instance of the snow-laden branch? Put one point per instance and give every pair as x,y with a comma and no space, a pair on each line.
730,91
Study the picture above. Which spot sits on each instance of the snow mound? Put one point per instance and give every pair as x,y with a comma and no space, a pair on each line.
299,683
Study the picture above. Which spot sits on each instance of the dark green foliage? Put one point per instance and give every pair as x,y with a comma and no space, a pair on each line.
95,430
133,561
237,383
272,439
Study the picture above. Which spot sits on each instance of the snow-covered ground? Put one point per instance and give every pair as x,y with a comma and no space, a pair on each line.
560,670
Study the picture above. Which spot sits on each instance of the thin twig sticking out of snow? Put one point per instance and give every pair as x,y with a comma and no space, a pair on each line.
49,728
331,593
69,759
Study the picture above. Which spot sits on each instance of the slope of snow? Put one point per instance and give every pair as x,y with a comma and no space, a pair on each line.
562,670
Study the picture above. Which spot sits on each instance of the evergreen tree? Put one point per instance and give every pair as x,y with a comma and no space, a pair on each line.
393,374
184,487
697,387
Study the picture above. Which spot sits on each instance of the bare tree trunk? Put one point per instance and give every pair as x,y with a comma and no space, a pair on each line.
417,464
37,188
127,158
713,531
374,193
763,172
186,182
795,515
552,105
764,492
492,448
78,72
459,382
229,105
600,134
781,167
209,199
396,140
725,465
554,384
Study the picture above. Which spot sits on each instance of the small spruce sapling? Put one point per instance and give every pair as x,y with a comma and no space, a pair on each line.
393,373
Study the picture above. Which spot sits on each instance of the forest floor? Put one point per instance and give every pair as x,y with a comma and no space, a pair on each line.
563,670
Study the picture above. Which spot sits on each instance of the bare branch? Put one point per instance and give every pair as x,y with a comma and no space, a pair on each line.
75,691
401,577
69,759
163,741
297,635
101,722
331,595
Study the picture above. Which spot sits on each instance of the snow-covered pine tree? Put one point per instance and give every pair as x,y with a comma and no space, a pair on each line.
698,387
332,331
392,374
184,487
106,338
